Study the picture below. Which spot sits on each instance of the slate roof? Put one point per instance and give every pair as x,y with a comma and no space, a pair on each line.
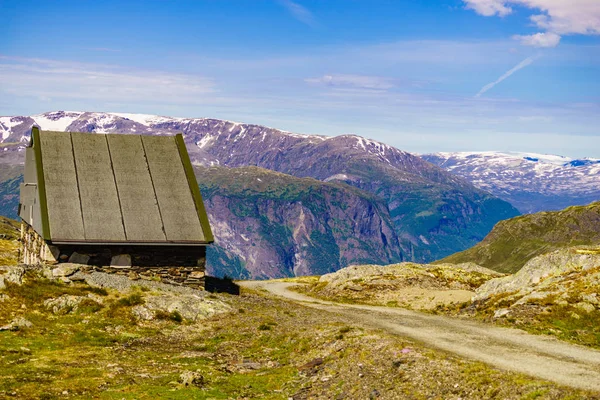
112,188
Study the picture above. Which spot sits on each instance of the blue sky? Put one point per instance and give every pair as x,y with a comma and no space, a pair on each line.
424,76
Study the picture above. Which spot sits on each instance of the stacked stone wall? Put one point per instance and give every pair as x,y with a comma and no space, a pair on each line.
34,249
174,264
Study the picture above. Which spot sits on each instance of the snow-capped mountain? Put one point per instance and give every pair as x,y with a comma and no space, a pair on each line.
210,141
531,182
368,202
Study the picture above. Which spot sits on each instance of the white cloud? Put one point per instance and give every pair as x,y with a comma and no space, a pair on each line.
557,17
566,16
51,79
352,81
299,12
508,73
489,7
547,39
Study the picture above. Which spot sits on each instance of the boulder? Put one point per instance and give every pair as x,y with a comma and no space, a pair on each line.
11,274
501,313
64,304
16,324
77,258
191,378
121,261
65,269
197,274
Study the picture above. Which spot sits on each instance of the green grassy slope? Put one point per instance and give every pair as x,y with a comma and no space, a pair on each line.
514,241
265,348
9,244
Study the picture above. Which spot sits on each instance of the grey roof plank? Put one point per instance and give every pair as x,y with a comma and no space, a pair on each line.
139,206
62,194
175,201
102,219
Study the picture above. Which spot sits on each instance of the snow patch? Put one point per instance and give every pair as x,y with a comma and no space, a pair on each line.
147,119
336,177
204,141
7,123
56,121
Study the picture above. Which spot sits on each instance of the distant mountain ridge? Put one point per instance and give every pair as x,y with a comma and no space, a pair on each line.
531,182
420,211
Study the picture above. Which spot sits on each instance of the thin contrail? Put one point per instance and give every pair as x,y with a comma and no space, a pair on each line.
519,66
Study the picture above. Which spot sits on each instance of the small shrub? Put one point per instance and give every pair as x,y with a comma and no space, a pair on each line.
97,290
176,316
345,329
134,299
89,306
140,288
170,316
264,327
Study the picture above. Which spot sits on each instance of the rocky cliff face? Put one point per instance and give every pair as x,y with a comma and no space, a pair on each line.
369,202
269,224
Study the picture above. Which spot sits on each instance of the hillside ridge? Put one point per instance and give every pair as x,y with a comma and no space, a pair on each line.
515,241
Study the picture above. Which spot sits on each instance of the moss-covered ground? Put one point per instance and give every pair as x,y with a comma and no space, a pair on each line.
265,349
9,244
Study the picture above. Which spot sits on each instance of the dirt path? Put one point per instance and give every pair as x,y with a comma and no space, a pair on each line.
507,349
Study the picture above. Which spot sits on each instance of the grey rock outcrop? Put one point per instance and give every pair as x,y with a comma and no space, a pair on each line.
17,324
65,270
11,274
69,303
540,274
192,378
191,307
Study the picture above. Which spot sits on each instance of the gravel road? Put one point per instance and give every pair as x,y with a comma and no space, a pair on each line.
508,349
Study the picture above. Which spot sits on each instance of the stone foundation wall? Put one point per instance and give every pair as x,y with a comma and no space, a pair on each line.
185,276
179,265
34,249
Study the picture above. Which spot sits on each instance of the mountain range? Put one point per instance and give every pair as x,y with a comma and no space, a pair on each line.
531,182
284,204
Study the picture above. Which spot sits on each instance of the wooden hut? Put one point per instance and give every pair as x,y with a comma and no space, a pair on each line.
118,203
